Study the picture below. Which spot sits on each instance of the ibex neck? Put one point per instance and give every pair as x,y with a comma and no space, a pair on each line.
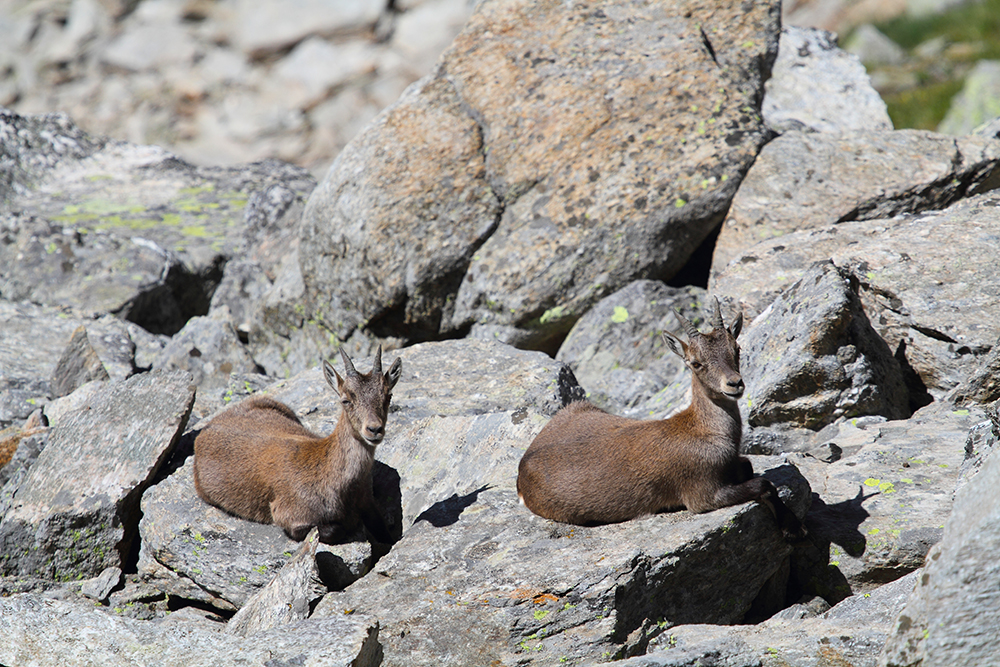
720,416
352,449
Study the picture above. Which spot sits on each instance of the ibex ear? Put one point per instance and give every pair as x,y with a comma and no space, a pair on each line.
332,377
392,375
737,326
678,346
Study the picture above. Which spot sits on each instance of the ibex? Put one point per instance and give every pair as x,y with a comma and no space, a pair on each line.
257,461
588,467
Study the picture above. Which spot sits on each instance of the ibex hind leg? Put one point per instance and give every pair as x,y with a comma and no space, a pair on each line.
762,490
298,531
333,533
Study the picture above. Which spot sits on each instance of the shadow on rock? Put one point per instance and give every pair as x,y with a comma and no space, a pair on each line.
446,512
815,570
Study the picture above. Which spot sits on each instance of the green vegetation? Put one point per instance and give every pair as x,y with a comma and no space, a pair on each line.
970,32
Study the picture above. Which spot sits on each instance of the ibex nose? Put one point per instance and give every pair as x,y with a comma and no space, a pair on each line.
734,386
375,432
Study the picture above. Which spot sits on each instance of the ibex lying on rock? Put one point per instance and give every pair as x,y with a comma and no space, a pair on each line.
257,461
589,467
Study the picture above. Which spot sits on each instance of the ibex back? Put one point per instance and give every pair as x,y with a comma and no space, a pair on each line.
588,467
257,461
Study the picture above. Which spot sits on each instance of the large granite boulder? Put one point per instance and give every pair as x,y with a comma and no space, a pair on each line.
541,167
482,580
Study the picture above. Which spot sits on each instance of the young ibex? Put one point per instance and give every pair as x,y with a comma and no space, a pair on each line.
257,461
588,467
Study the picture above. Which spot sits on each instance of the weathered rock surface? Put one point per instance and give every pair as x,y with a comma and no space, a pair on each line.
546,229
36,339
806,181
37,631
952,616
977,102
882,506
484,580
923,283
812,357
76,511
147,233
851,633
287,598
817,87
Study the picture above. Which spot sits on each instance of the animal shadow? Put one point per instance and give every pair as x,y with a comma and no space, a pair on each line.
814,571
446,512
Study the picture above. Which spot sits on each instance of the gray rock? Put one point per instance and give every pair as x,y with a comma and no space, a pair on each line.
922,281
812,357
806,181
197,552
100,587
848,634
50,633
210,349
983,385
546,229
33,145
262,28
151,232
977,102
286,598
951,618
486,580
617,352
78,365
150,47
76,512
983,439
873,48
881,507
817,87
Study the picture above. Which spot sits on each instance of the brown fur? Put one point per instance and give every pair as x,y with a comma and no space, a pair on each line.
589,467
257,461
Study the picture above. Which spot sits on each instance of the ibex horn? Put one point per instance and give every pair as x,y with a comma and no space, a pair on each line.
689,328
348,364
377,364
717,322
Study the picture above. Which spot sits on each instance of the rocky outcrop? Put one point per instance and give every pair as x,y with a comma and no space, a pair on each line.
921,280
813,357
816,87
950,618
544,229
50,632
75,512
853,320
480,578
808,181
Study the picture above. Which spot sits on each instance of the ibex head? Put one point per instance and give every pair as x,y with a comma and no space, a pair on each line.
713,357
365,397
